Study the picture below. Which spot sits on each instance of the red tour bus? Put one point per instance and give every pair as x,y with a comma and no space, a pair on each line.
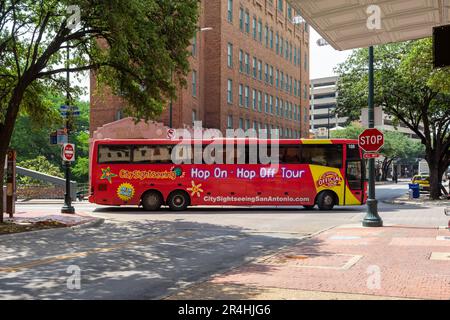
325,173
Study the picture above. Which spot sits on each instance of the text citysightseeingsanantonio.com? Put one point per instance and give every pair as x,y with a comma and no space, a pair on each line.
254,199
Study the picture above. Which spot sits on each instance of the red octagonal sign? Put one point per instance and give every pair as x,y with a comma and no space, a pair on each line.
371,140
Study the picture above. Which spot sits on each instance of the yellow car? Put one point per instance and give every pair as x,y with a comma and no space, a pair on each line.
423,181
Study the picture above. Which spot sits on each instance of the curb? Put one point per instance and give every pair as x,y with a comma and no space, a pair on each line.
90,224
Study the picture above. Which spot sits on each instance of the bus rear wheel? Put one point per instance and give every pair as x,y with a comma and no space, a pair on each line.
152,201
326,201
178,200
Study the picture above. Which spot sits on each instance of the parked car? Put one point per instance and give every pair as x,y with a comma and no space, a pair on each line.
423,181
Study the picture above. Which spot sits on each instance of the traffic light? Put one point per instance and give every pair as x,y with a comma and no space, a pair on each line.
441,46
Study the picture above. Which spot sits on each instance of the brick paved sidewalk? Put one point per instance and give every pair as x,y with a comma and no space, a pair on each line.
348,262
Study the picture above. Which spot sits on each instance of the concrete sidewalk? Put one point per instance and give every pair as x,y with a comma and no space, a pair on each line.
347,262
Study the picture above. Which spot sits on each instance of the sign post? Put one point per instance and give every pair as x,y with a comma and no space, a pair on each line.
68,156
373,142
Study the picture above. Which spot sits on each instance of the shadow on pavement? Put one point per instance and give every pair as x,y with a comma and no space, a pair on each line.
136,260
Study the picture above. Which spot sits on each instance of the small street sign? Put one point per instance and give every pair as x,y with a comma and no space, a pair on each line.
371,155
371,140
68,152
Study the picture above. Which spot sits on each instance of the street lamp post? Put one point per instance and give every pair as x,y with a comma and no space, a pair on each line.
372,219
67,207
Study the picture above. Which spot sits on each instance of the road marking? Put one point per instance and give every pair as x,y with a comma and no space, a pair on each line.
83,254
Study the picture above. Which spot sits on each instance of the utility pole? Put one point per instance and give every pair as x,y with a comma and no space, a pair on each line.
67,208
372,219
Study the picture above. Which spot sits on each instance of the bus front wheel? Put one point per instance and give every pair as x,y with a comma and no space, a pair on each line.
326,201
152,201
178,200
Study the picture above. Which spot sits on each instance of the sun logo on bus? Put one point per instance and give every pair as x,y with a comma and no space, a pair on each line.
125,192
107,175
195,189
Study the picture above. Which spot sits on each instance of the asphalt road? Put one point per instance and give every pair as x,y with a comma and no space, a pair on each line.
139,255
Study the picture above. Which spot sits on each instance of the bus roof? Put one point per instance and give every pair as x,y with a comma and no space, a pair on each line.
224,140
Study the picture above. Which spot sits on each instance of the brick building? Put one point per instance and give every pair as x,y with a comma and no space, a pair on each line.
250,69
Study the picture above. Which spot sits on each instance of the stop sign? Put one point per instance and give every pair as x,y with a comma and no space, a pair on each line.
371,140
68,152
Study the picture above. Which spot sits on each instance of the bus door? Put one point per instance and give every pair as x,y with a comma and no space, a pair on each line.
354,175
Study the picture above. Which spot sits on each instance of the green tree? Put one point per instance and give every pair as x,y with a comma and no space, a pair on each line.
397,146
134,47
410,90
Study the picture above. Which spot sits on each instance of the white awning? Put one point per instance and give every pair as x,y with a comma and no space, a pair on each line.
343,23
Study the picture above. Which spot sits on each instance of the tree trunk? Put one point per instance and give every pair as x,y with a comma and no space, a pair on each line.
6,131
2,172
435,180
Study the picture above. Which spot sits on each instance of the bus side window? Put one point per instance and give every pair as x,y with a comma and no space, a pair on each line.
290,154
114,154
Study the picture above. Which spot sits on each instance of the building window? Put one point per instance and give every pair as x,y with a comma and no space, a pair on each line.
295,56
247,63
282,80
230,11
289,12
254,99
241,61
260,30
271,39
281,46
241,98
266,103
277,43
305,94
286,52
230,91
271,75
247,96
247,124
254,28
260,70
259,101
277,78
241,19
266,73
280,5
194,45
271,104
247,22
230,55
194,83
255,72
266,35
306,62
277,106
241,123
230,122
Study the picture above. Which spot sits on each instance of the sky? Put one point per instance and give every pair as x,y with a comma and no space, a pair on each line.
324,59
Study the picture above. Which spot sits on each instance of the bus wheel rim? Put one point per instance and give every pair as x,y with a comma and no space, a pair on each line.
328,200
178,201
